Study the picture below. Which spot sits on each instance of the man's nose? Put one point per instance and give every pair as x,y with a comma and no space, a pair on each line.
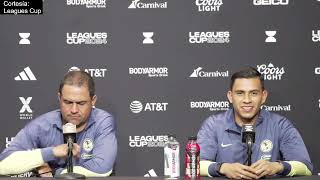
74,108
247,98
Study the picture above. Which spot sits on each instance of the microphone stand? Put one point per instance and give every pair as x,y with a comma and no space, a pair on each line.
70,174
249,150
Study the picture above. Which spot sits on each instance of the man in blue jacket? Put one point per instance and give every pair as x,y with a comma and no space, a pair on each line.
278,148
40,143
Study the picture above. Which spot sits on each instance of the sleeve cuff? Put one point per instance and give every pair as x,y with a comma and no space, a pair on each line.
58,171
47,154
213,170
286,168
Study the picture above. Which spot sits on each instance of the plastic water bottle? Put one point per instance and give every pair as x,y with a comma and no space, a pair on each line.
171,157
192,158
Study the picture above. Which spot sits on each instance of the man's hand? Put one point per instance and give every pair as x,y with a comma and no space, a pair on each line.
45,170
237,171
61,151
266,168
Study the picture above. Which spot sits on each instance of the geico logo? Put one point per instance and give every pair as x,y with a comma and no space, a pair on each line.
208,2
156,107
221,104
317,70
150,70
263,69
270,2
210,34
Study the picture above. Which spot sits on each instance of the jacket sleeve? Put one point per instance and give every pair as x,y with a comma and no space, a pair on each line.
22,155
207,140
294,152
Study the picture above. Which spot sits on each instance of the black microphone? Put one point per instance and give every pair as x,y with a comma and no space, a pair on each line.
69,136
248,137
248,133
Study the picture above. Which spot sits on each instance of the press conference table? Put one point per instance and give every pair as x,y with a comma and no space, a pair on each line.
162,178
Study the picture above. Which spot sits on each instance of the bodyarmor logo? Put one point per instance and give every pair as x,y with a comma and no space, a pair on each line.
136,4
211,105
150,71
270,72
208,5
87,38
316,35
8,141
198,73
270,2
209,37
277,108
137,107
88,3
147,141
25,111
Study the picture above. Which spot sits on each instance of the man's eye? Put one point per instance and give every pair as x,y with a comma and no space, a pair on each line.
82,103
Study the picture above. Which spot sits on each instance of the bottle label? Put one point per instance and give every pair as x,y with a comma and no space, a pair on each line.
171,161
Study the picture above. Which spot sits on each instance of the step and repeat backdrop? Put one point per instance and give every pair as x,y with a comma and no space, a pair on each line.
160,66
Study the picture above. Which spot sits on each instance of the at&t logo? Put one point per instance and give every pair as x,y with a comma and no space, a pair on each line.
137,107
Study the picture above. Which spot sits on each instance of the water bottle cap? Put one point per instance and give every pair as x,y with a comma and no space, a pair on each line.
192,138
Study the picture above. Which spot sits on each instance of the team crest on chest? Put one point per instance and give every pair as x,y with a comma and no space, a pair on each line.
87,144
266,146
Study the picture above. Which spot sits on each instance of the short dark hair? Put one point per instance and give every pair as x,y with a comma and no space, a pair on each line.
247,73
78,78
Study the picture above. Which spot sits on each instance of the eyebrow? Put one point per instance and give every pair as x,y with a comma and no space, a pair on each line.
66,100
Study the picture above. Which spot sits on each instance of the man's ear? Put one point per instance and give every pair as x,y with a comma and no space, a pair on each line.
59,96
264,96
229,95
94,100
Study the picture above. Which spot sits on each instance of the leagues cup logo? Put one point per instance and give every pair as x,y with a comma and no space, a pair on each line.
78,38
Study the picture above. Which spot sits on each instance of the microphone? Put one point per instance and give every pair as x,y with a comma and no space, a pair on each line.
69,136
248,134
248,137
69,133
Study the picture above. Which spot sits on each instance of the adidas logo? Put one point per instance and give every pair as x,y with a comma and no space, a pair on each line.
25,75
151,173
